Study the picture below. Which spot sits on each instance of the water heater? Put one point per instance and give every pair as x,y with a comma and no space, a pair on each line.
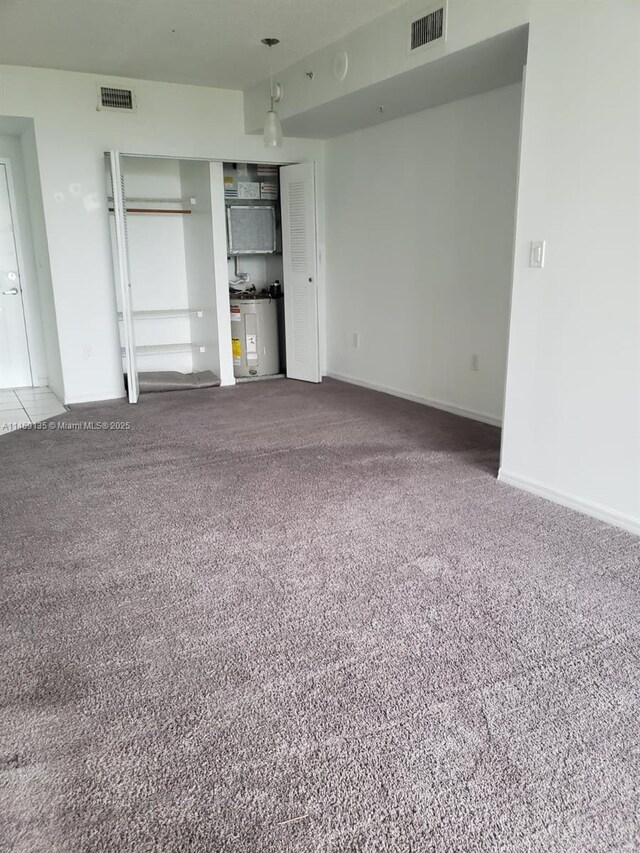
254,335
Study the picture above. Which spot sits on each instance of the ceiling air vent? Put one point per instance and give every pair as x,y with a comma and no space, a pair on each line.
427,29
110,98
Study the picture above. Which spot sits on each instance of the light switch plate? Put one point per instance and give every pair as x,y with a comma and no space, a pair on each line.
536,254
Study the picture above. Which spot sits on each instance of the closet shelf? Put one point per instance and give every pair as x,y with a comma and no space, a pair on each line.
160,349
165,313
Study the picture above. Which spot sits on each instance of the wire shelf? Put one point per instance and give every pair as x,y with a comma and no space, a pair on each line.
161,349
165,313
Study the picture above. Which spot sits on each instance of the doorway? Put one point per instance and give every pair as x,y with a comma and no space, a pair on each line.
29,348
271,256
25,397
15,360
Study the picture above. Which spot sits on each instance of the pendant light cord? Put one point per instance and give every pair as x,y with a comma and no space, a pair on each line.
270,43
270,78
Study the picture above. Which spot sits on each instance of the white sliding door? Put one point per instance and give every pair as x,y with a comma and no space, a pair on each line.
122,272
299,271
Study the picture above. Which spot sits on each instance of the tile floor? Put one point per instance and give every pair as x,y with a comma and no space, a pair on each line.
20,407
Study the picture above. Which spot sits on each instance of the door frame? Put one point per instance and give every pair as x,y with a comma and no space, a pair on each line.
29,330
122,273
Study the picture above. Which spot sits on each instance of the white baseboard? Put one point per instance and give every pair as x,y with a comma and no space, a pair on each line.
425,401
610,516
113,396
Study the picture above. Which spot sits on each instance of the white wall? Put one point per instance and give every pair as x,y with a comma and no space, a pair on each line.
172,120
572,417
420,242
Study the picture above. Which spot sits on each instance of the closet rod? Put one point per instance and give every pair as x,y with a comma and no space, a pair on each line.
149,199
153,210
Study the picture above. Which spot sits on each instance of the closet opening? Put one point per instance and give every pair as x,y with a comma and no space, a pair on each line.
254,257
162,238
215,280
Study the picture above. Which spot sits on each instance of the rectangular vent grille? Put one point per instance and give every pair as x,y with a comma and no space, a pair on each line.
116,99
427,29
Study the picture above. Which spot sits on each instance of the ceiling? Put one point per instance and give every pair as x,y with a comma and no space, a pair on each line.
205,42
484,66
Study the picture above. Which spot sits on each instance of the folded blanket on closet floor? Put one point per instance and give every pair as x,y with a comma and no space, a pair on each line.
171,380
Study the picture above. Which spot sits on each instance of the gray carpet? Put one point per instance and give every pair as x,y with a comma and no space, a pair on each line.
293,618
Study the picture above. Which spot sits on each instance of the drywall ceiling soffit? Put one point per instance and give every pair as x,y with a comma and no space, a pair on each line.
488,65
203,42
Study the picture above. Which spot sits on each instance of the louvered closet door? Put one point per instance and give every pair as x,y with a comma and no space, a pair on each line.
299,268
122,272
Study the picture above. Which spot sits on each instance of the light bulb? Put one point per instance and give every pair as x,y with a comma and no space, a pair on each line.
272,130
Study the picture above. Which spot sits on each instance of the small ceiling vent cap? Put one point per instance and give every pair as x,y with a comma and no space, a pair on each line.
428,28
111,98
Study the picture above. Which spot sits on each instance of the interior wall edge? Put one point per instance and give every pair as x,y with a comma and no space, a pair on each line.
602,513
57,389
46,295
483,417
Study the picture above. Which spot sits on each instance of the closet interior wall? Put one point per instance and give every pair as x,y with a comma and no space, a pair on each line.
195,181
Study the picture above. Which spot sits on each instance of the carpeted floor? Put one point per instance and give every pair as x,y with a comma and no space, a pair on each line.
285,618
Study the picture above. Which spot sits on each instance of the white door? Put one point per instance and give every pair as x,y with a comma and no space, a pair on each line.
122,272
299,271
15,367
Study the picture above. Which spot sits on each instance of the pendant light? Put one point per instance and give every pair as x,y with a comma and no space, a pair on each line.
272,127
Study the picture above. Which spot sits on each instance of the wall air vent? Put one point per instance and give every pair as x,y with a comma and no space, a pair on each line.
428,28
110,98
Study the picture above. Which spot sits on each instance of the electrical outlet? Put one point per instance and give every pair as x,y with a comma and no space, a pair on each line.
356,340
475,361
87,353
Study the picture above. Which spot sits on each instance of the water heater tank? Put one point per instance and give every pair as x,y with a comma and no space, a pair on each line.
254,336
